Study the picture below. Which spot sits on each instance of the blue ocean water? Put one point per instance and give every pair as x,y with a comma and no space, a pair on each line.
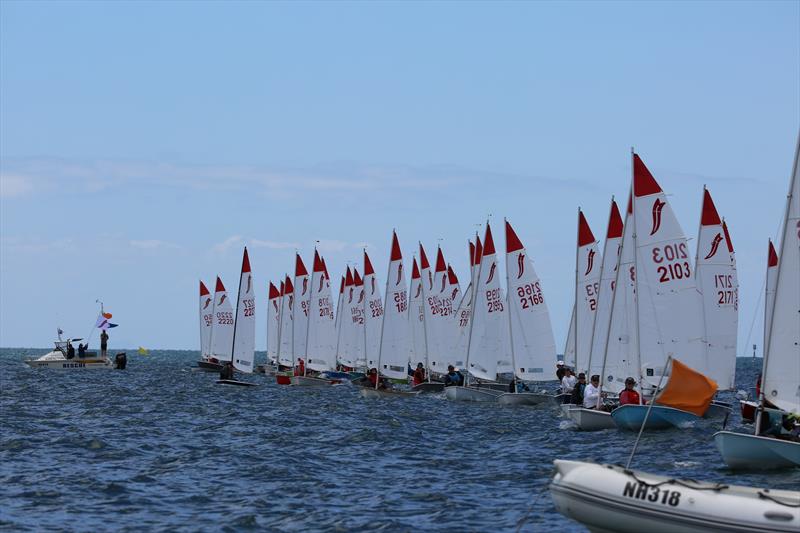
161,446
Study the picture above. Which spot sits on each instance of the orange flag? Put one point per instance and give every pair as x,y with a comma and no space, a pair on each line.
687,390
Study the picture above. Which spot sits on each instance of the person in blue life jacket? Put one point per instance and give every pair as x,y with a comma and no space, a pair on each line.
453,378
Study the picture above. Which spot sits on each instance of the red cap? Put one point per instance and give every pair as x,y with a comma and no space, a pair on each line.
423,259
367,265
245,261
299,267
357,277
643,182
512,241
273,291
773,257
348,279
288,287
441,266
318,266
727,237
585,235
709,217
478,250
488,242
203,290
220,287
414,269
452,279
614,222
396,255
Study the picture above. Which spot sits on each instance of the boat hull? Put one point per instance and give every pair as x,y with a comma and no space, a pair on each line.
369,392
469,394
236,383
525,398
209,366
751,452
606,498
312,381
429,387
283,379
591,419
71,364
630,417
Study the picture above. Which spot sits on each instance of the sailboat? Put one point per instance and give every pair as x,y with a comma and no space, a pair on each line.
243,342
320,335
394,348
273,323
417,327
220,338
464,307
206,362
780,373
300,311
488,328
533,347
669,312
372,312
596,419
285,336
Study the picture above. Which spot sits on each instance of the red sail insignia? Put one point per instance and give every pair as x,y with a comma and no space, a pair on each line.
590,262
521,265
714,246
658,206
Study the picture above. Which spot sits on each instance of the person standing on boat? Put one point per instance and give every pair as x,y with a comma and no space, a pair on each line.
629,396
569,381
70,350
578,391
419,374
591,395
300,369
81,350
227,371
103,343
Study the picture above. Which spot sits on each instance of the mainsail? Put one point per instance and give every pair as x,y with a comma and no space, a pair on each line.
273,322
206,320
395,349
373,310
416,318
489,327
300,309
321,337
587,285
222,328
244,330
285,336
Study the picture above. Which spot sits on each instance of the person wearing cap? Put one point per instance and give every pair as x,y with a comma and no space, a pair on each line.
591,395
453,377
560,370
629,396
569,381
578,391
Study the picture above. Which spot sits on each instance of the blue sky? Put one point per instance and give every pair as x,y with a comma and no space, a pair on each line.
142,144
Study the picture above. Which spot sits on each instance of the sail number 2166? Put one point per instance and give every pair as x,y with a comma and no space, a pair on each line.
530,295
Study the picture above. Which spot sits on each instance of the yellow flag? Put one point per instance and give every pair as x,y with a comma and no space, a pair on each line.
143,351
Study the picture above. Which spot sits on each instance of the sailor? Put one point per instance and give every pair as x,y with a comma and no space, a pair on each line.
81,350
103,343
629,396
578,390
453,377
560,370
419,374
374,380
70,350
591,395
227,370
569,381
300,369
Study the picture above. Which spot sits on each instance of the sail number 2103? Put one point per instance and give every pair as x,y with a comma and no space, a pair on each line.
673,262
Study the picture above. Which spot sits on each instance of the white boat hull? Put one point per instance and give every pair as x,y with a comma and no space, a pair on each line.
469,394
741,451
608,498
591,419
369,392
525,398
56,361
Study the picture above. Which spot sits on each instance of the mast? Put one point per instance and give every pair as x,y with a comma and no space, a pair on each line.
213,319
339,316
472,309
308,308
700,279
597,307
280,323
383,316
236,313
508,312
424,322
364,308
575,303
636,279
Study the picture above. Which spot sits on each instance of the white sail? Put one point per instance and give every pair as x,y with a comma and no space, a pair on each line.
373,310
359,339
769,296
351,344
416,318
434,325
285,337
715,275
608,275
464,308
321,337
395,348
302,294
619,360
222,328
244,332
489,330
338,319
273,322
781,372
569,357
531,329
587,285
206,320
670,310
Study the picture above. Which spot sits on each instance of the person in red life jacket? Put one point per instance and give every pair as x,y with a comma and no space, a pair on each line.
300,369
419,374
629,396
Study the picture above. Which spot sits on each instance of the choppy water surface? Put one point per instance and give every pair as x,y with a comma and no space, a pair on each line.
161,446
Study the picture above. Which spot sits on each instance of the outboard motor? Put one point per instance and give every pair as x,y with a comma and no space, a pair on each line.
121,360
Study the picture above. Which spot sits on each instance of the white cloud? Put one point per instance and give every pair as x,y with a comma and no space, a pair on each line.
227,244
12,185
